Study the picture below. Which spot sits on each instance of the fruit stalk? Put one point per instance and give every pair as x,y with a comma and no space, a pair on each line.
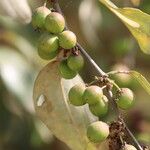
101,73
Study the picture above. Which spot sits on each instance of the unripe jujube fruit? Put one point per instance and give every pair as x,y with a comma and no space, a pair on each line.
121,78
100,109
48,46
98,131
75,62
92,94
38,18
75,95
67,39
55,22
65,71
129,147
47,56
125,98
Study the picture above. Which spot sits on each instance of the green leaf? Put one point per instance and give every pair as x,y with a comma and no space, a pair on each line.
141,79
67,122
136,21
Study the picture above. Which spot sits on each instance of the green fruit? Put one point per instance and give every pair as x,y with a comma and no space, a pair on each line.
98,131
67,39
55,22
75,63
47,56
121,78
92,94
129,147
48,43
65,71
75,95
38,18
125,98
100,109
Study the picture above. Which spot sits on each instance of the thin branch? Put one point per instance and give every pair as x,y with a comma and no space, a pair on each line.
136,143
117,72
132,136
91,61
101,73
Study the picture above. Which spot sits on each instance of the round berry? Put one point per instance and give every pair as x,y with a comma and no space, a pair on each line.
75,95
92,94
125,98
98,131
75,62
121,78
55,22
48,43
100,109
129,147
67,39
65,71
38,18
47,56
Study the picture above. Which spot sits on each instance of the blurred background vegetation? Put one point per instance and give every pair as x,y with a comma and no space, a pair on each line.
100,32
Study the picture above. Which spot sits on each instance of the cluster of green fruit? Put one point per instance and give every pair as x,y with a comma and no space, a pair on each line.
92,95
54,38
98,105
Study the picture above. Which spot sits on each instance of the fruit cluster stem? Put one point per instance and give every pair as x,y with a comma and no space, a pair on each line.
102,74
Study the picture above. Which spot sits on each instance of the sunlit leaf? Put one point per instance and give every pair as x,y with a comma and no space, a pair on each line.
136,21
142,80
66,122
